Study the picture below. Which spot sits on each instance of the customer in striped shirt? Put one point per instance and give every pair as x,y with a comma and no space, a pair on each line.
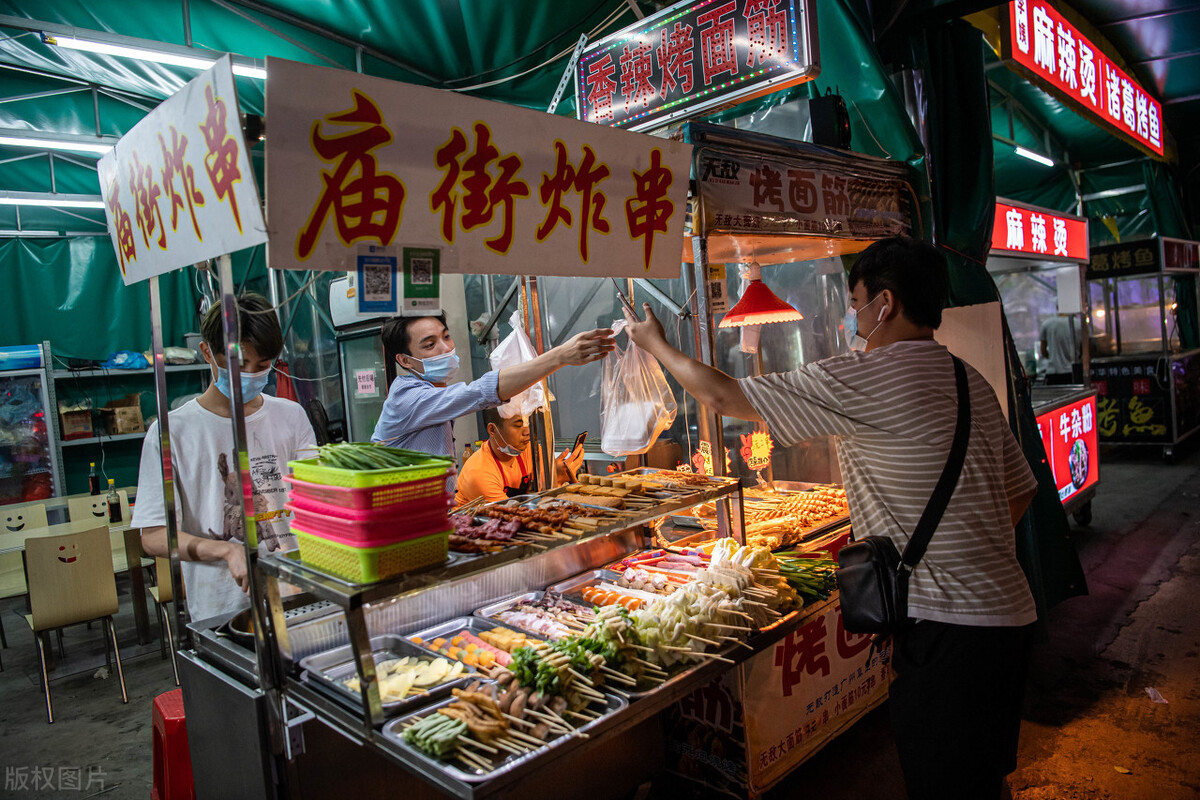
959,672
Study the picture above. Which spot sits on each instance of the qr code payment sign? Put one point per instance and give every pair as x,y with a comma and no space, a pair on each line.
377,282
422,271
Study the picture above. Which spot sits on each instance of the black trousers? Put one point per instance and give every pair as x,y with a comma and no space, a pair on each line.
956,707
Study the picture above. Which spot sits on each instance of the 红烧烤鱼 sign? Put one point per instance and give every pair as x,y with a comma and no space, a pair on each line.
1030,231
178,187
1040,39
495,188
693,57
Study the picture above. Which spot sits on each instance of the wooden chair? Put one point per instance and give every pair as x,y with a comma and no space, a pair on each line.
12,570
71,581
95,507
162,595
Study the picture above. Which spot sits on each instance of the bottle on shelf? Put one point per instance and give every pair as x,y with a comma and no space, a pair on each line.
114,503
93,480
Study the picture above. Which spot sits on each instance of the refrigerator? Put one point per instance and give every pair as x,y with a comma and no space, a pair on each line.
28,451
366,374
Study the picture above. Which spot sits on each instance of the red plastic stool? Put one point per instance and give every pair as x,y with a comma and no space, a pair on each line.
172,761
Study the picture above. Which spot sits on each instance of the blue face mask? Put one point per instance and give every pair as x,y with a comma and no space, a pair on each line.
439,369
253,383
850,325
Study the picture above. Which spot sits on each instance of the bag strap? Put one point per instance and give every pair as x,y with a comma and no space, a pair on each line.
936,507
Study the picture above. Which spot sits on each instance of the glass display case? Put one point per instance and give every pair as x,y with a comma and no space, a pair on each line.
1143,299
28,456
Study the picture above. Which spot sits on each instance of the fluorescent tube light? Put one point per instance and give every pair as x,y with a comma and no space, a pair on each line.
55,144
1032,156
50,202
146,54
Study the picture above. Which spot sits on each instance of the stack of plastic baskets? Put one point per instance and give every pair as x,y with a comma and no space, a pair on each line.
370,525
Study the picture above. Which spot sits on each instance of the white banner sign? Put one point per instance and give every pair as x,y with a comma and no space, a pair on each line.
178,188
497,188
806,690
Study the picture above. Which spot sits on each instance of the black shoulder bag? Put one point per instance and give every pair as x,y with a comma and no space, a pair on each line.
872,576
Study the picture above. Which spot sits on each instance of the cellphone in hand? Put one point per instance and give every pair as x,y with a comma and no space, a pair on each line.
624,300
579,440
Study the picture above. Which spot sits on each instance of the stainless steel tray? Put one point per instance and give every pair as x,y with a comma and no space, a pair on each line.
458,770
490,612
577,584
453,627
333,668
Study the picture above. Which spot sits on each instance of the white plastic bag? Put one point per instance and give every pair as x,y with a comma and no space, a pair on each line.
636,402
517,349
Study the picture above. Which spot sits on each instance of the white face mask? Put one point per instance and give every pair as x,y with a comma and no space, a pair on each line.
850,324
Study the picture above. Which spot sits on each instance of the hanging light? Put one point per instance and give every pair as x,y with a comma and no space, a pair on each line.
759,305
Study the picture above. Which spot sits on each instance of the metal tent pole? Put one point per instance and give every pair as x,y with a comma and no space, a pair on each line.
265,654
168,473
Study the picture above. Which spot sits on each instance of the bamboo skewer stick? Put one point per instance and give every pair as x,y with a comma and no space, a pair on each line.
475,761
702,639
728,627
473,743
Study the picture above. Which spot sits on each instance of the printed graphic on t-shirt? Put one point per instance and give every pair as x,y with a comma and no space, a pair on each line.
264,473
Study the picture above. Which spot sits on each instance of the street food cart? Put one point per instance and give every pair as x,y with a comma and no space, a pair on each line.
1037,259
1145,368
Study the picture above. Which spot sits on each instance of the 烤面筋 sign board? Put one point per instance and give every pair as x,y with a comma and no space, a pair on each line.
178,187
495,188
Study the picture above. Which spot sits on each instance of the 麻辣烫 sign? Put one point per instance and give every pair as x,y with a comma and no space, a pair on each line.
1023,230
178,187
1070,438
695,56
1042,41
493,187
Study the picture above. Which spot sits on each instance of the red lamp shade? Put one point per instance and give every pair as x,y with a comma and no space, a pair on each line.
759,306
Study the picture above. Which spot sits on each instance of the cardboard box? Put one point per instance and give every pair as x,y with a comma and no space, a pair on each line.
124,415
76,421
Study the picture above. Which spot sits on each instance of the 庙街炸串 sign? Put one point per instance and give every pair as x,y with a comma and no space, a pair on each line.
1031,231
693,57
1040,39
178,187
499,189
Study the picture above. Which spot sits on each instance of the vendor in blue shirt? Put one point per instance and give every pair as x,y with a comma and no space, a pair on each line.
422,404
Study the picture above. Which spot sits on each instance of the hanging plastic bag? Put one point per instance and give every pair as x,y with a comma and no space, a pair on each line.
517,349
636,402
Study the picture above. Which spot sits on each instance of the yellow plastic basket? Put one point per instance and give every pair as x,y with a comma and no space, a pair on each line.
371,564
309,469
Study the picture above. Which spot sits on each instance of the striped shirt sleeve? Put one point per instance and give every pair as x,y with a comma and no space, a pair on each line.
798,405
1018,477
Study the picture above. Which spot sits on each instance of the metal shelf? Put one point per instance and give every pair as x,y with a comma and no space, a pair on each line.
351,595
115,373
120,437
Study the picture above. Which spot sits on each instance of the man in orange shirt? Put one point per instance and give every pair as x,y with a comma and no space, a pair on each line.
503,466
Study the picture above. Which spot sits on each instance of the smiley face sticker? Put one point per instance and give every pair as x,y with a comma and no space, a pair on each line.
68,554
15,522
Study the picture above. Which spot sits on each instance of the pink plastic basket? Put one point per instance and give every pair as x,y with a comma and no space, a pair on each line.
371,528
424,493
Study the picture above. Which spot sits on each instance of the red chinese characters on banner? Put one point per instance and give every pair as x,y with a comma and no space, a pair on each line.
221,160
675,59
601,87
717,53
636,68
174,164
366,202
768,187
1036,232
126,244
145,193
767,32
649,210
802,653
1042,40
582,180
481,191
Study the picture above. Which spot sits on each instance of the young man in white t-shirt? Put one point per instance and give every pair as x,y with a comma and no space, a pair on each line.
207,482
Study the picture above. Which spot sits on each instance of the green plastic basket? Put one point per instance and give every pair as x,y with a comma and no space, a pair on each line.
309,469
371,564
